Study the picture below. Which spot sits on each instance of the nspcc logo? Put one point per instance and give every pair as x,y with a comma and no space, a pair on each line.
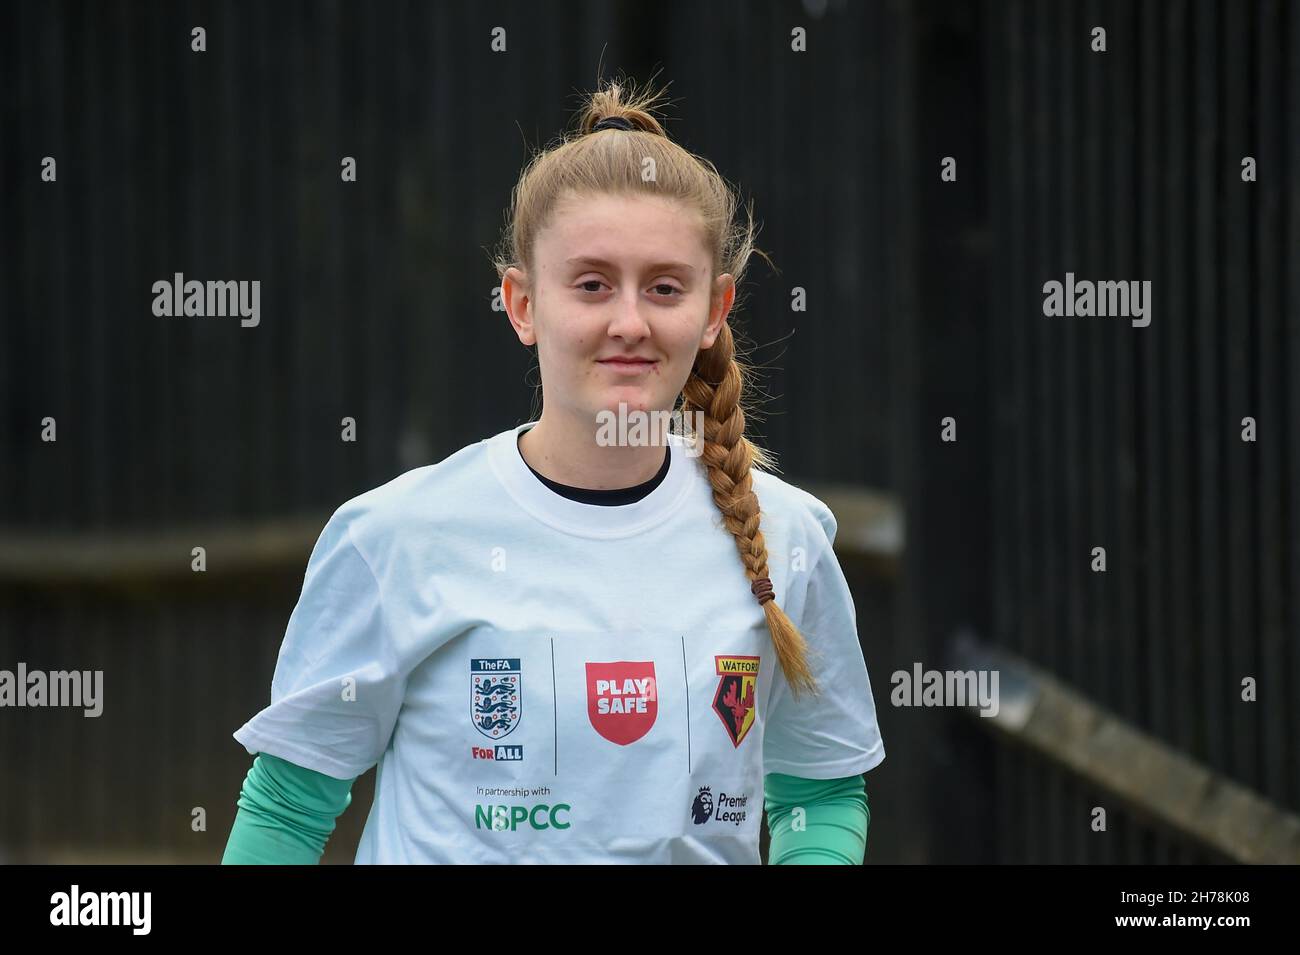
622,699
734,699
495,696
505,818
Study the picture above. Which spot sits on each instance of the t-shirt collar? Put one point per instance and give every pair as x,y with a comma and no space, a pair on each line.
590,520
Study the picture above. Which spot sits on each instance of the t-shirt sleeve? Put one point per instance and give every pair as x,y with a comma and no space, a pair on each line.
338,682
833,733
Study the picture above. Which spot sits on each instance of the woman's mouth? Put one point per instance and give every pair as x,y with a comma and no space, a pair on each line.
628,366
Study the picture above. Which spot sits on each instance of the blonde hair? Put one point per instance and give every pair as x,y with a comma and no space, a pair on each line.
609,161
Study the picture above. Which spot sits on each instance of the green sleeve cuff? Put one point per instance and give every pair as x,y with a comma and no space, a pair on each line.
816,821
286,814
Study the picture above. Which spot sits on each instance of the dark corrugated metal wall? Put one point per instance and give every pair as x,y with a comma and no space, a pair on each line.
1126,165
375,295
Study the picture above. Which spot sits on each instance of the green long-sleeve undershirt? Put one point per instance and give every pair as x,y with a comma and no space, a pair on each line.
287,813
816,821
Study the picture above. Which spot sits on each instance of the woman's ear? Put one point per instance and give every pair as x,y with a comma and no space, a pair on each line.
722,295
516,296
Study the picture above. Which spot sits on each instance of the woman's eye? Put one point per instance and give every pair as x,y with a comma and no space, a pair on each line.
663,289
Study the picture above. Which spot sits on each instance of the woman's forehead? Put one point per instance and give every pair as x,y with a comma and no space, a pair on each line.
617,228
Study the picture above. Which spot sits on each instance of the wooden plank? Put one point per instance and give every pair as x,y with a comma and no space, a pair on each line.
63,559
870,526
1154,782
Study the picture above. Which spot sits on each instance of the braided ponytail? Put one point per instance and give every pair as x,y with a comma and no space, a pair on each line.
714,388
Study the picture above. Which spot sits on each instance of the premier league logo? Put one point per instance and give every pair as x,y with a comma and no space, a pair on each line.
495,696
702,807
734,699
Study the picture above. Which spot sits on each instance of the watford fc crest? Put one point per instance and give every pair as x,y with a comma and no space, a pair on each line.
734,699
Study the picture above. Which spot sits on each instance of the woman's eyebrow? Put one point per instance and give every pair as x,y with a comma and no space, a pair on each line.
656,267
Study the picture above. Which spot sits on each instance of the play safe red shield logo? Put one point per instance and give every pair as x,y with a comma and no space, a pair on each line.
622,699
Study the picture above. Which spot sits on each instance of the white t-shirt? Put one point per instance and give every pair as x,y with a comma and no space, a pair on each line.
548,681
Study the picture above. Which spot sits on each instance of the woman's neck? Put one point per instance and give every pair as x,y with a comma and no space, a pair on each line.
567,451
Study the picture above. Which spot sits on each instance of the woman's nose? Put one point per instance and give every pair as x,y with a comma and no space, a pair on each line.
628,319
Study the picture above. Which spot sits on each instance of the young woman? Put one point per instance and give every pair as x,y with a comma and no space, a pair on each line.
587,638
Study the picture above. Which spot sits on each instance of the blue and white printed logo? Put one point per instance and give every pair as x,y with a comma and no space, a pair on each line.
495,696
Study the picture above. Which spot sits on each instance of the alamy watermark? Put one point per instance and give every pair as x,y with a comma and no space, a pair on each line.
946,688
213,299
76,907
1127,299
640,429
80,688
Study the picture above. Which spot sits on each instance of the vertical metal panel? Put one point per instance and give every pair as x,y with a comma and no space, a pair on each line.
1289,172
1070,508
1016,501
1041,419
1240,322
1155,354
1268,354
1173,186
96,261
907,432
1205,309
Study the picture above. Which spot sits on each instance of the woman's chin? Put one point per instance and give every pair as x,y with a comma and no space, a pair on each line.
629,398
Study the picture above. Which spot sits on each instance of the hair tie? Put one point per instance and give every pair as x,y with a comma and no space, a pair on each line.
762,589
612,122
